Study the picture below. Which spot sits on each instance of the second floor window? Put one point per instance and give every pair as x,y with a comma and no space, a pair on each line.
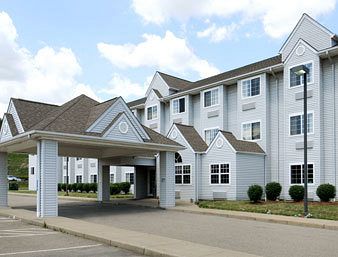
179,105
210,134
152,112
211,97
297,124
251,87
296,80
251,131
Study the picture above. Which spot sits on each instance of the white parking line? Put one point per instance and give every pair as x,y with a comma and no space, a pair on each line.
25,232
51,250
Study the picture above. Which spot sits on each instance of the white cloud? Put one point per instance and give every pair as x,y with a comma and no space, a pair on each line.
49,75
277,17
217,34
122,86
169,53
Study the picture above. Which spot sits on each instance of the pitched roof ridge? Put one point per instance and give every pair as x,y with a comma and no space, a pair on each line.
107,101
34,102
184,125
174,77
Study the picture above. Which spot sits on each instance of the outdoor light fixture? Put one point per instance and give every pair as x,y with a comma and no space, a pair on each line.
302,70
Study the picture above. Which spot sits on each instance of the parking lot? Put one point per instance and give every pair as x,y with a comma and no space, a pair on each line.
19,239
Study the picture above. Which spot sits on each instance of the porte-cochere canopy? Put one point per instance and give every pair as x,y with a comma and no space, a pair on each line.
81,127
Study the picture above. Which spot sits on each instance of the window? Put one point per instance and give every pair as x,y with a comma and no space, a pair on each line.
297,174
297,124
182,174
79,179
179,105
220,173
112,177
93,178
178,158
210,134
130,178
32,171
78,158
251,131
152,112
296,80
251,87
211,97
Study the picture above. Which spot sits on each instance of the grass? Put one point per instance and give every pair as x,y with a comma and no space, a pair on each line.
77,194
18,165
318,210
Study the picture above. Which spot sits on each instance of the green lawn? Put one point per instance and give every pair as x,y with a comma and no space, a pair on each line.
76,194
18,165
318,210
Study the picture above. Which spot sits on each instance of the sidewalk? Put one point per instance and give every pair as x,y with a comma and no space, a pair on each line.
289,220
141,243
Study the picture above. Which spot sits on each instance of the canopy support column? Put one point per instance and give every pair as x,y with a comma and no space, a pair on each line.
167,179
103,186
3,180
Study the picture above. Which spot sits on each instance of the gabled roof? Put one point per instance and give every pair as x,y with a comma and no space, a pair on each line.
98,110
192,137
241,145
174,82
11,124
30,112
158,94
158,138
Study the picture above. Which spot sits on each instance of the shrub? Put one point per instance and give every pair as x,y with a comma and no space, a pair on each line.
80,187
125,187
273,190
93,187
64,187
59,187
86,187
296,192
326,192
115,188
13,186
255,193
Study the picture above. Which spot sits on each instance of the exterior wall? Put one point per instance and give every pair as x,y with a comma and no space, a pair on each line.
159,84
185,117
231,103
196,110
216,155
5,132
154,124
250,170
293,106
116,133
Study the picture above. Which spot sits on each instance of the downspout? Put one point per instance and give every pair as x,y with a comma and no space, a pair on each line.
264,177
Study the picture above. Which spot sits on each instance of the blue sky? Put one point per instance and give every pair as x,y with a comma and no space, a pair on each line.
54,50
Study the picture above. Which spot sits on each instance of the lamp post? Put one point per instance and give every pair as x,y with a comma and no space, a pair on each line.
300,71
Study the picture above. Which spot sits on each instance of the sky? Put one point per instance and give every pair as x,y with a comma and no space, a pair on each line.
52,51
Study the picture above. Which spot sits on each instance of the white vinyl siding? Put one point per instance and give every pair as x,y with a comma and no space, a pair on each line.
296,80
220,173
179,105
297,174
209,135
211,97
297,124
251,131
251,87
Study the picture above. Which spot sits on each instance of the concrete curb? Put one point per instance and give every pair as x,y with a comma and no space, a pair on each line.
137,242
279,219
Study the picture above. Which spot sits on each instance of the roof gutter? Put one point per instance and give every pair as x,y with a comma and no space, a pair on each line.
198,89
87,140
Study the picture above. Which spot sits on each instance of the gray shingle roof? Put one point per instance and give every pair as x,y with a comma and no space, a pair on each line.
137,102
174,82
11,124
241,145
193,138
159,138
98,110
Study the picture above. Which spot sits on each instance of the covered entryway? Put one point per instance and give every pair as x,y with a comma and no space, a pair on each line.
84,128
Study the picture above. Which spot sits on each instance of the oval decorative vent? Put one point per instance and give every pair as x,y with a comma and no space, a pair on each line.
300,50
219,142
174,134
123,127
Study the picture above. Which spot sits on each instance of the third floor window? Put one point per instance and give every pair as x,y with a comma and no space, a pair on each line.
297,124
152,112
296,80
210,134
211,97
251,87
251,131
179,105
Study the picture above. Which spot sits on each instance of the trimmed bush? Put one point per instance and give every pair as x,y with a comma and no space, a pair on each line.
255,193
64,187
273,190
125,187
59,187
115,188
80,187
296,192
13,186
326,192
86,187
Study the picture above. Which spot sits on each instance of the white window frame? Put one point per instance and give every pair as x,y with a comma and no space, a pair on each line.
260,86
219,174
301,114
302,163
250,122
93,180
112,174
182,175
78,176
312,75
178,99
127,174
151,106
209,90
212,128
